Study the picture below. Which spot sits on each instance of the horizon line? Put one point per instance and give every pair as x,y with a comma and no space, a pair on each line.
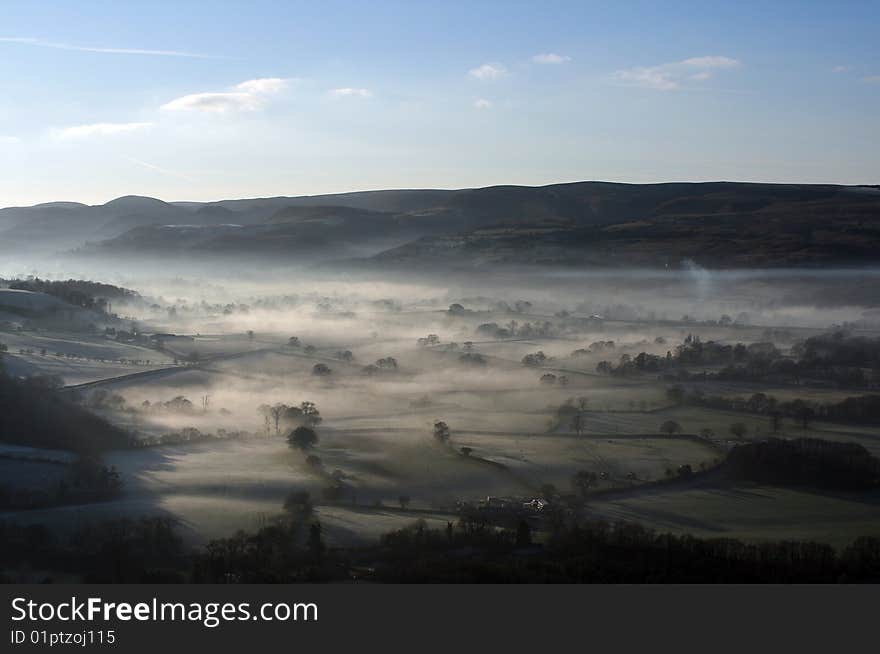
440,189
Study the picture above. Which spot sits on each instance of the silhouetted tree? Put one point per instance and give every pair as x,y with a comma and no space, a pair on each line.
775,421
670,427
316,542
321,370
441,431
311,413
276,411
577,423
583,481
805,414
523,534
299,504
303,438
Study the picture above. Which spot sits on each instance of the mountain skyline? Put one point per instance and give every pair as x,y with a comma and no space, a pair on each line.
720,224
265,99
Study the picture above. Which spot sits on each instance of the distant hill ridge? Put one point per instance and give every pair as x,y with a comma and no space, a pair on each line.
582,222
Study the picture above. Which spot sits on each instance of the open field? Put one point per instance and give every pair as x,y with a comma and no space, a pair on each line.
750,513
376,437
77,358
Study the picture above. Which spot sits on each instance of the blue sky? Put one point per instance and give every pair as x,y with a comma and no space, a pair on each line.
210,100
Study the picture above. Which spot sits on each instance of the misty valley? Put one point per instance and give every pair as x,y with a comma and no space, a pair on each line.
416,402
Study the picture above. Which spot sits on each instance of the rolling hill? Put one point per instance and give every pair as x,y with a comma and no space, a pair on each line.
582,223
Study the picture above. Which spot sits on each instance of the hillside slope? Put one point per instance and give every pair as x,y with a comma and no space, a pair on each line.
582,223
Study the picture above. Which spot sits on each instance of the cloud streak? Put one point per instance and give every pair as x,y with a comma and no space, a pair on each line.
351,93
41,43
550,58
488,72
671,76
159,169
98,129
250,95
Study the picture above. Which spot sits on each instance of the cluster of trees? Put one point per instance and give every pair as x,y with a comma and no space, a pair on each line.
34,413
71,355
286,417
472,359
600,552
294,341
442,433
274,554
88,295
87,479
189,435
303,438
321,370
694,352
570,414
839,349
385,364
513,329
148,550
536,359
595,347
292,549
862,409
837,358
805,461
104,400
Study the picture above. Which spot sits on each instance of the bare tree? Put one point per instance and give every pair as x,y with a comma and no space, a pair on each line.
276,411
441,431
266,411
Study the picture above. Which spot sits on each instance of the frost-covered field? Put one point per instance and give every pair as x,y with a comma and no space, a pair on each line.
76,358
376,434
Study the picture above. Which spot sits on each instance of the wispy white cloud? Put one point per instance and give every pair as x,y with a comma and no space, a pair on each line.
215,102
711,62
488,71
348,92
159,169
669,77
249,95
550,58
98,129
263,85
872,79
9,140
42,43
651,77
840,69
482,103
